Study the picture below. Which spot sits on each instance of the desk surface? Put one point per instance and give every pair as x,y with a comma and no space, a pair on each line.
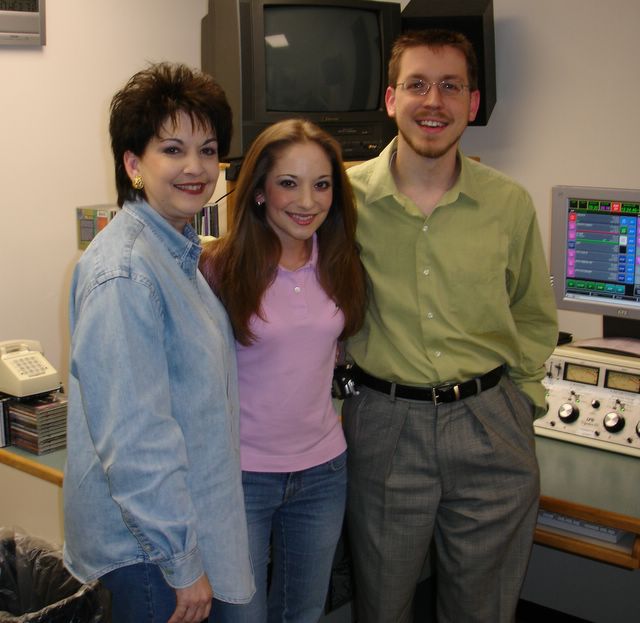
592,485
49,467
589,476
576,474
582,482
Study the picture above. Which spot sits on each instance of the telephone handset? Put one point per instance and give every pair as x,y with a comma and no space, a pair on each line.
24,371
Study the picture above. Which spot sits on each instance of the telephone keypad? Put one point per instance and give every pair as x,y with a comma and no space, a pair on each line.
30,366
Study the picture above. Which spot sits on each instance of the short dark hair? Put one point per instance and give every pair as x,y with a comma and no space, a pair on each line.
433,38
153,96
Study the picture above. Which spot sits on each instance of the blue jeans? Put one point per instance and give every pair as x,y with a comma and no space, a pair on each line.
139,594
294,521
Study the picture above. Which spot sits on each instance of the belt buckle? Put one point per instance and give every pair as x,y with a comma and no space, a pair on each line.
443,388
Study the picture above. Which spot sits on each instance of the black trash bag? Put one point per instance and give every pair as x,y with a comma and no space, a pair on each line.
35,587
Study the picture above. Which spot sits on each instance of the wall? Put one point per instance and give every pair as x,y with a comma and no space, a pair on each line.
55,152
39,512
567,103
566,114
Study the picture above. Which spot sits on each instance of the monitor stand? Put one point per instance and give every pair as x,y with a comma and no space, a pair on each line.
620,336
620,327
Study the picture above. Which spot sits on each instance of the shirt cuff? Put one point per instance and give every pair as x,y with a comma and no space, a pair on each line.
183,571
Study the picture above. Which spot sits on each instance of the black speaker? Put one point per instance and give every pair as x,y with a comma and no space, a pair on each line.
474,19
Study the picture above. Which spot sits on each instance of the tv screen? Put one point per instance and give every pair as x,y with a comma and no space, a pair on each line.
595,250
321,59
325,60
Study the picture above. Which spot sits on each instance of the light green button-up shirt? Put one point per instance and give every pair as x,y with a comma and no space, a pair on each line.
458,293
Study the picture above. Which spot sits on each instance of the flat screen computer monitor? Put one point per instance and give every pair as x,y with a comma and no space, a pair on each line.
595,250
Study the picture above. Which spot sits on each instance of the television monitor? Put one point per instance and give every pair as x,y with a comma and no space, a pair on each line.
325,60
595,250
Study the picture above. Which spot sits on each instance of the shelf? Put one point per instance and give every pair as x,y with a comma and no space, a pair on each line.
586,547
47,467
625,554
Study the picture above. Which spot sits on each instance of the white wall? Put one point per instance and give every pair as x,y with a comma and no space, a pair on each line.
567,103
566,114
40,511
567,109
55,154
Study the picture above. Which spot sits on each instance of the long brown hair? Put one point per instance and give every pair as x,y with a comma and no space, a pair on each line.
242,264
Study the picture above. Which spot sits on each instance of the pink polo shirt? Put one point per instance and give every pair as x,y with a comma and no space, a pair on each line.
287,419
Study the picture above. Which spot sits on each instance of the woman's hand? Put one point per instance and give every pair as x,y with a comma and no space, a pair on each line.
193,603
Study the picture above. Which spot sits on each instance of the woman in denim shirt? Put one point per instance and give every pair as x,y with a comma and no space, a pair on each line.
152,492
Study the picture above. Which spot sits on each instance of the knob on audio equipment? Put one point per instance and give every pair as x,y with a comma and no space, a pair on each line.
593,398
568,412
613,422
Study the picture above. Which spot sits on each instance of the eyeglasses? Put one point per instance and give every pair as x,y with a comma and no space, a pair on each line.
446,88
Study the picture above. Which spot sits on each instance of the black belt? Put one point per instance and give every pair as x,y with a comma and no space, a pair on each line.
448,392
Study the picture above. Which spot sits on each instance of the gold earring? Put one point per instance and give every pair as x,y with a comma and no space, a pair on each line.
137,182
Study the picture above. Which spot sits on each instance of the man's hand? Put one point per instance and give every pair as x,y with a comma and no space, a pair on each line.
193,603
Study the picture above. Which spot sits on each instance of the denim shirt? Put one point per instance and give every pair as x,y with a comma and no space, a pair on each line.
153,464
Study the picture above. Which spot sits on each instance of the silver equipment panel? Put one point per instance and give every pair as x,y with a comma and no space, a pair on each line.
593,399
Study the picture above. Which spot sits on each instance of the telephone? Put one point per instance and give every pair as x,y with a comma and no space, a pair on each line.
24,371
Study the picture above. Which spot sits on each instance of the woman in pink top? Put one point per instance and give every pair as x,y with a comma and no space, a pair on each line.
290,277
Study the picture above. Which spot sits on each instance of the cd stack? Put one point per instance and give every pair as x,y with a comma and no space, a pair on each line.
39,425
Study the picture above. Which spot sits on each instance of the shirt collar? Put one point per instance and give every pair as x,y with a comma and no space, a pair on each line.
180,245
466,184
382,184
313,258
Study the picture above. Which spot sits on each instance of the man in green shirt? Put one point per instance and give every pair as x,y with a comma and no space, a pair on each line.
460,321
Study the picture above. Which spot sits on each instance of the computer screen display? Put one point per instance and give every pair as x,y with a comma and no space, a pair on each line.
595,250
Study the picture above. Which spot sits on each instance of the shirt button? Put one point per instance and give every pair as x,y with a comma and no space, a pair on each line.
426,272
430,316
425,228
297,289
437,353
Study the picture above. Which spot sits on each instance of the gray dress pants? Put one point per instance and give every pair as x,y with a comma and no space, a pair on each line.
463,476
